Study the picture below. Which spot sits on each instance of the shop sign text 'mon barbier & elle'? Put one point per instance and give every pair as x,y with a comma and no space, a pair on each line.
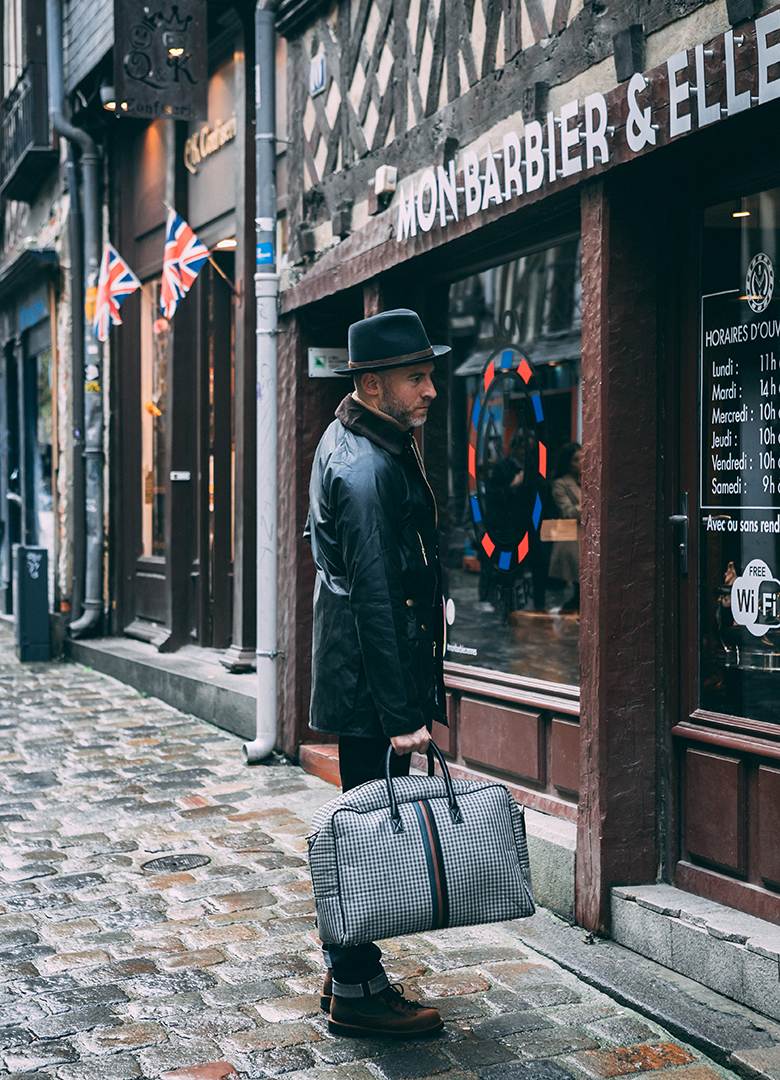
737,71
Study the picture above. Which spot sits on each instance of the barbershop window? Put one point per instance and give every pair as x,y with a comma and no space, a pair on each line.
739,481
510,499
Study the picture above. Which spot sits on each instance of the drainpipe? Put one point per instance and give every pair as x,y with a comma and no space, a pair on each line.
91,430
266,290
76,236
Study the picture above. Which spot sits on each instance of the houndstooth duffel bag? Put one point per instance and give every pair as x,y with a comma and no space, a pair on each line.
414,853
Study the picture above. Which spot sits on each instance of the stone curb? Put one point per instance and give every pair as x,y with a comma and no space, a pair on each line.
730,1034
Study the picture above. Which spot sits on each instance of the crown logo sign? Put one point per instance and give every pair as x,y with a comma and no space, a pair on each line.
158,53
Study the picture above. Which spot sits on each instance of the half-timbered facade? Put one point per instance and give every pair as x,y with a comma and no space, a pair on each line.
580,199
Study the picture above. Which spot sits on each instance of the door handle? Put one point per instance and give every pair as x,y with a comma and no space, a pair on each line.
681,519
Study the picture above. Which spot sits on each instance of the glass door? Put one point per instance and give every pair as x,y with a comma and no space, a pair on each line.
150,569
728,733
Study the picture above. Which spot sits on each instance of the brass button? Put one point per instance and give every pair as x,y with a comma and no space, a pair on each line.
410,603
423,626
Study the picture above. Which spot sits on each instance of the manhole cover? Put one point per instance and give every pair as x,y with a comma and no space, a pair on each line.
171,864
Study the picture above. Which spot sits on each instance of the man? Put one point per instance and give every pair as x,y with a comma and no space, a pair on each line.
377,672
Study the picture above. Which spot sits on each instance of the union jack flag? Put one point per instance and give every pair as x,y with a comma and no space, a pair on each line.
183,258
116,281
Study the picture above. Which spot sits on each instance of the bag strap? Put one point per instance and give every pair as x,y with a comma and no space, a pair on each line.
395,813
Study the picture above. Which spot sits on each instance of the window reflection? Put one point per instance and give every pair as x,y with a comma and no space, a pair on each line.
510,526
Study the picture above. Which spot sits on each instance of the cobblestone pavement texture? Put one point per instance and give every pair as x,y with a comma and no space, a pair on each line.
156,920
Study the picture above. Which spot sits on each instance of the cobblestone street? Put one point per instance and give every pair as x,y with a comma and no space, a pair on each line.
156,919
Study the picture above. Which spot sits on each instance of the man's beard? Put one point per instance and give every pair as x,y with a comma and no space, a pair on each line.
391,406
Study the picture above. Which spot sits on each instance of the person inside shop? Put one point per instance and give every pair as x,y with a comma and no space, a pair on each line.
506,494
567,495
377,649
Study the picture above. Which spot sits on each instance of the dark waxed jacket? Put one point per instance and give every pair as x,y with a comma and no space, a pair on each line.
378,622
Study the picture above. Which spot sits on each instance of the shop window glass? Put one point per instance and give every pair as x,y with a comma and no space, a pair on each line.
154,385
739,458
43,460
510,495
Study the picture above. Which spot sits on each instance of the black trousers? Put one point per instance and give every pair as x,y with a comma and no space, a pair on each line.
357,969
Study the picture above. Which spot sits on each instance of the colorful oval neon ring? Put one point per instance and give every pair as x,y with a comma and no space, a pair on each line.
507,463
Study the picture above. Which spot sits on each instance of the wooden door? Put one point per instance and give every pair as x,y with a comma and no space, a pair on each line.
213,571
726,718
10,493
150,401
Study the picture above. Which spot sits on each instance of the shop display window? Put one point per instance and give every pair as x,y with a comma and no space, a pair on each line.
44,495
154,387
739,459
509,497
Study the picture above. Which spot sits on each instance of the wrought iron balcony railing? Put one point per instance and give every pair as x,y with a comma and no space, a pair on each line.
28,151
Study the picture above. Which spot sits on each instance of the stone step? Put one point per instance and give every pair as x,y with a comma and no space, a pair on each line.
726,950
191,680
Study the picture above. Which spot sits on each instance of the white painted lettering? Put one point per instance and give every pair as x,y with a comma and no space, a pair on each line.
570,137
407,219
768,56
734,102
552,163
707,114
639,122
512,164
534,155
595,137
426,218
678,93
492,188
471,182
447,191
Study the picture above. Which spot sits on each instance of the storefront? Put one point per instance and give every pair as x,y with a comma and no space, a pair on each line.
726,737
183,515
28,408
601,258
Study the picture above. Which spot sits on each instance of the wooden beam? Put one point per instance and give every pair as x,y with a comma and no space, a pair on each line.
399,80
373,298
618,662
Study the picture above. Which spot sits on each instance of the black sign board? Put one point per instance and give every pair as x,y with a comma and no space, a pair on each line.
740,395
31,582
161,59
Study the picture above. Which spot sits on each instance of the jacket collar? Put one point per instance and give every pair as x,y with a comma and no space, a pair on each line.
362,421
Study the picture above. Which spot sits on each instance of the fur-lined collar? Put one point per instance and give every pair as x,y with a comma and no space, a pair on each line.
368,422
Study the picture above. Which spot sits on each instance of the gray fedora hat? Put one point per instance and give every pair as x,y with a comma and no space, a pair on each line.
389,340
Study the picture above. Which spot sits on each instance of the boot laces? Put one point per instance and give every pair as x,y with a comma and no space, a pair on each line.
398,1001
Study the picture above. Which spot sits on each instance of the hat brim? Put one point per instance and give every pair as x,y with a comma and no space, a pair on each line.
359,369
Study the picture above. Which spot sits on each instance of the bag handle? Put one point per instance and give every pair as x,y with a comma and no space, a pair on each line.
395,813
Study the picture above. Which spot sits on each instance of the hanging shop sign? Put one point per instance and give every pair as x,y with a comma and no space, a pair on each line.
693,89
161,58
207,141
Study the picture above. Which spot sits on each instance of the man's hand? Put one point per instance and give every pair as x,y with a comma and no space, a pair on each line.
417,742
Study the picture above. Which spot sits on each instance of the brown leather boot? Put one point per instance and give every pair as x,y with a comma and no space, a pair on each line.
386,1013
327,991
